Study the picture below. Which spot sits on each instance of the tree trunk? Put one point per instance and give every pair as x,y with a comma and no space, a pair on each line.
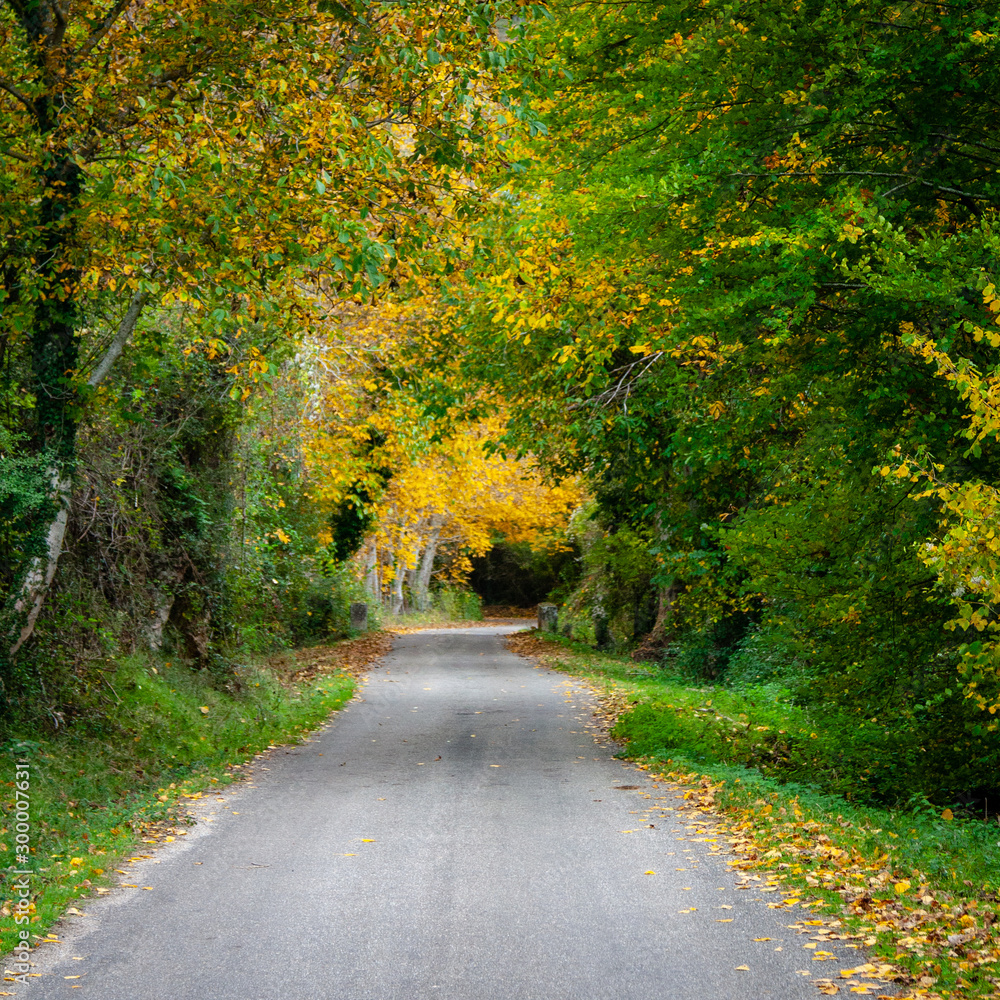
421,595
399,571
54,344
42,567
371,572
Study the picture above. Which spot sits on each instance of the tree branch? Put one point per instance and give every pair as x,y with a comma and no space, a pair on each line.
14,92
102,29
116,346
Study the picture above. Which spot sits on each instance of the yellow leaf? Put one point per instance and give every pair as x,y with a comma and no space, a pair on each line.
204,709
742,968
76,861
649,873
948,815
901,887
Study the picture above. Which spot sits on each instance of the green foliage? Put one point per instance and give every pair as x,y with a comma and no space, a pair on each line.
457,603
750,272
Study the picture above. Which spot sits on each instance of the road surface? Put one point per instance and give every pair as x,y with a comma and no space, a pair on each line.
456,833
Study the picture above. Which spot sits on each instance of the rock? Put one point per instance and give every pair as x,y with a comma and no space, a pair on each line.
359,616
548,618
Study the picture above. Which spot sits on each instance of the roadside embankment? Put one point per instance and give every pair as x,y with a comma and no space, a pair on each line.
919,889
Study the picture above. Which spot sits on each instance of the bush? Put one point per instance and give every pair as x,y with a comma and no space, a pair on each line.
457,603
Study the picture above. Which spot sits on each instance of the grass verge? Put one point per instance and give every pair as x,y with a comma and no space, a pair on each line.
917,890
149,735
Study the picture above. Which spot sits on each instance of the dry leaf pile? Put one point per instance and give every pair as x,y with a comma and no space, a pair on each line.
353,656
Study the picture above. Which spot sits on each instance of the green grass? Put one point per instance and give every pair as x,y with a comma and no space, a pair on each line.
757,733
145,733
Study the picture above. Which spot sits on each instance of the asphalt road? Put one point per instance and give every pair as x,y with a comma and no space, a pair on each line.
457,833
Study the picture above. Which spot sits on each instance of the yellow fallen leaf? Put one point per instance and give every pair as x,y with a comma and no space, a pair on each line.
649,873
204,709
830,990
901,887
72,977
76,861
762,939
724,920
367,840
742,968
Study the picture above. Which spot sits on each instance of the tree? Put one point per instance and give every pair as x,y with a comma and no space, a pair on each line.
216,154
707,295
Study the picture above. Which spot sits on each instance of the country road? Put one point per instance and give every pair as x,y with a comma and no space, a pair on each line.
457,833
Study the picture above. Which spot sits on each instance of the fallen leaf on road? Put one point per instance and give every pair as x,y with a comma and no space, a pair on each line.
724,920
762,939
742,968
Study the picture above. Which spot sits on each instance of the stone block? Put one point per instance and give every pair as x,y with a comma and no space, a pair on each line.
359,616
548,618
